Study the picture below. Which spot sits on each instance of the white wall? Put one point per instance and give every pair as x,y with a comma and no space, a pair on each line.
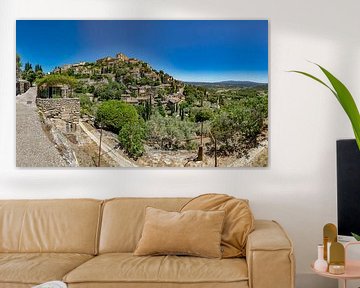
299,187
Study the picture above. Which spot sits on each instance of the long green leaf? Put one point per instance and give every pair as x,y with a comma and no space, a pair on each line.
316,79
344,97
347,102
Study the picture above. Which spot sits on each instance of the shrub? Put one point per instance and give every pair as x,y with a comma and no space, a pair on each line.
171,133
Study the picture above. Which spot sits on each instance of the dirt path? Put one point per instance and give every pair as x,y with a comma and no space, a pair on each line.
107,149
33,147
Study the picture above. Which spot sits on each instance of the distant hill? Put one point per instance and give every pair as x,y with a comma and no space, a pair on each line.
229,84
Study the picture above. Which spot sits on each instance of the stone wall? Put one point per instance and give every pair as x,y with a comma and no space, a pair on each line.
67,109
22,86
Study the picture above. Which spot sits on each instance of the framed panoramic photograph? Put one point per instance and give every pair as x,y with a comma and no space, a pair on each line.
149,93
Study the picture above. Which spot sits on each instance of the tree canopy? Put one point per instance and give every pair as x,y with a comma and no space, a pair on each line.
56,79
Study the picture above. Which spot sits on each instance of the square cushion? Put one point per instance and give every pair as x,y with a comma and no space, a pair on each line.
35,268
158,271
193,232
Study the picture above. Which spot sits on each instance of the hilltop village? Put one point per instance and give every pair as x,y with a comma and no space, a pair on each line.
138,82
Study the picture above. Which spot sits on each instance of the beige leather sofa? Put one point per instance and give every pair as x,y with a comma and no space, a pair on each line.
89,243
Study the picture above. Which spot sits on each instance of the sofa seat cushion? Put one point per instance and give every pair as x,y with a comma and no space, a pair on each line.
36,268
127,268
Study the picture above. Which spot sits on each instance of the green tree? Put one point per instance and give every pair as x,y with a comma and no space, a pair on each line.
203,114
18,65
114,114
27,67
162,76
30,76
148,109
184,108
39,71
131,138
38,68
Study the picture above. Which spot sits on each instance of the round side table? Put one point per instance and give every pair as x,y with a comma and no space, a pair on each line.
352,269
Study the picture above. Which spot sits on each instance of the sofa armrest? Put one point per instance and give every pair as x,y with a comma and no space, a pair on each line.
269,255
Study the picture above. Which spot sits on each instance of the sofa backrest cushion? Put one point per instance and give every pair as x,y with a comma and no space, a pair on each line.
64,226
123,220
239,220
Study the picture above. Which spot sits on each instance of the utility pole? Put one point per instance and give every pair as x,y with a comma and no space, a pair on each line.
99,159
215,144
201,147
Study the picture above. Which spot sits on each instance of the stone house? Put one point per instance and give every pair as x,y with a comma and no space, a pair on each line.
54,91
133,61
173,103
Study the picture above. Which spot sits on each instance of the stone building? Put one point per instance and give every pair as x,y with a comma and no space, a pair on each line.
54,91
122,57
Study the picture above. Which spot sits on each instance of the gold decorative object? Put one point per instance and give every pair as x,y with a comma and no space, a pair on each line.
337,258
330,236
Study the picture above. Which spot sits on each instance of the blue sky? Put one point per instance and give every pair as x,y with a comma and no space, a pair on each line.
189,50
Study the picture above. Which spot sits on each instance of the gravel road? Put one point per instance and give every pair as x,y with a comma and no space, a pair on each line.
33,147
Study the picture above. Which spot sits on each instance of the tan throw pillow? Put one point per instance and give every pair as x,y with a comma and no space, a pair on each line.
196,233
239,220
